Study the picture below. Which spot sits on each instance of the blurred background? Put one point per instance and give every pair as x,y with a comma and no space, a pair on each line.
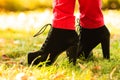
27,14
22,5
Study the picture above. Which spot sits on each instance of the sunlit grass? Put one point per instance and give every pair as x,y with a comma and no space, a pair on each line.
17,41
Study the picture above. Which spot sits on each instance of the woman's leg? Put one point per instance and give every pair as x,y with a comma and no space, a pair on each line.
61,36
63,14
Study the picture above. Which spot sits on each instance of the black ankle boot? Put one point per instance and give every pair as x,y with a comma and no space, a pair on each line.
57,41
90,38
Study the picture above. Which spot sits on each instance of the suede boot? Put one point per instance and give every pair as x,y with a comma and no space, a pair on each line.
57,41
90,38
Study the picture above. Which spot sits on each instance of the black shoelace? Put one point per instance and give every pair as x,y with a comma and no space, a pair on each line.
42,30
78,27
45,26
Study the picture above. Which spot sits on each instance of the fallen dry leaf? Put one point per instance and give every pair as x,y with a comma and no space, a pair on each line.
10,62
59,76
5,57
82,66
97,68
23,76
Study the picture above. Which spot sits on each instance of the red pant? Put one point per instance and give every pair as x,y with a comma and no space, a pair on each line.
90,14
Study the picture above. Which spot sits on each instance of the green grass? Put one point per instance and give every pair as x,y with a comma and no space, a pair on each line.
16,45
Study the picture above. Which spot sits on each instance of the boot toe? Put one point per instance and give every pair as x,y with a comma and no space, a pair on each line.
35,58
32,56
